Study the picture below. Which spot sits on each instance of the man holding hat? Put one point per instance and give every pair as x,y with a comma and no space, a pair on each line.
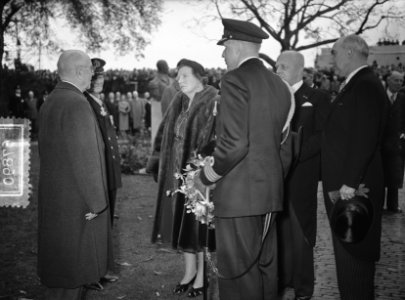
113,168
246,166
350,157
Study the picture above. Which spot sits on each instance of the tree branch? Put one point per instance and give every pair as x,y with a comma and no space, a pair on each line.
363,27
319,13
217,7
14,8
316,44
262,22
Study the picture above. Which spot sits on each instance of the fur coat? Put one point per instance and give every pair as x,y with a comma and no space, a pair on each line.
199,134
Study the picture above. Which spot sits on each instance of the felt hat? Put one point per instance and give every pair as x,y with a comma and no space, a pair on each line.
351,219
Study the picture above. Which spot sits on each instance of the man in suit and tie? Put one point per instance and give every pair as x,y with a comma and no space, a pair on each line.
112,156
394,141
246,166
297,223
350,156
73,225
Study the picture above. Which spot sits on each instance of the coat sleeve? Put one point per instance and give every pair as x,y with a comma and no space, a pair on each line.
366,130
83,152
232,128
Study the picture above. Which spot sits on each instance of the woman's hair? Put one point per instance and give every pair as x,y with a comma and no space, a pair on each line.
196,68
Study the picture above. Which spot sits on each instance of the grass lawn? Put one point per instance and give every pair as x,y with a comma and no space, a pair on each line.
146,271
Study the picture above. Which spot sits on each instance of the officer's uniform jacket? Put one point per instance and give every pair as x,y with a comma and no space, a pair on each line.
107,129
246,164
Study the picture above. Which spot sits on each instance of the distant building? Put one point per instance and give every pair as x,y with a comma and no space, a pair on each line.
384,55
387,55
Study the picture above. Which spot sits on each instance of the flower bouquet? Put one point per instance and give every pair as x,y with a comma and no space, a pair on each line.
197,202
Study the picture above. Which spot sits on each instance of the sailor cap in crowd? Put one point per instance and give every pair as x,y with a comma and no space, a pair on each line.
98,65
242,31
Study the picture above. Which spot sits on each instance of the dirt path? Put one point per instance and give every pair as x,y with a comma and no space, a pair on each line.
146,272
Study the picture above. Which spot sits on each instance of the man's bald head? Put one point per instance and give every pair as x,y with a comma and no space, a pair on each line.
75,66
290,66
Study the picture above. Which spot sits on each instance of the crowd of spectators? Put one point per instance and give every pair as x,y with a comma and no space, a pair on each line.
388,42
123,88
27,89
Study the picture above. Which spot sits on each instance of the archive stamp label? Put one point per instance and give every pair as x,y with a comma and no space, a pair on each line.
15,187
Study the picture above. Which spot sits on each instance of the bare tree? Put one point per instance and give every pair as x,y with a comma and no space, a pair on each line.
305,24
120,23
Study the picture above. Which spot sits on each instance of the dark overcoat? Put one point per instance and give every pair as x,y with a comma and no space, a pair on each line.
394,147
311,109
113,110
199,130
254,107
72,182
351,151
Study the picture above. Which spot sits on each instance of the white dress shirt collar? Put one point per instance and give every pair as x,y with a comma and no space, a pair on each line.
296,86
391,95
350,76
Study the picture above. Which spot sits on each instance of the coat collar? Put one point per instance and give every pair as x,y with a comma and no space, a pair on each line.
68,86
250,60
356,77
352,82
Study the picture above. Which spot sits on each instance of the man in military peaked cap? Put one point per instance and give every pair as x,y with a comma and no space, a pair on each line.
98,65
242,31
112,157
256,106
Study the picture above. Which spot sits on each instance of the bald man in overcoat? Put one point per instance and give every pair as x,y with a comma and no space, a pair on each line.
73,219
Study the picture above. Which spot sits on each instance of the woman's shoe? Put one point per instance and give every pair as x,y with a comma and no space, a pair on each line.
181,288
195,292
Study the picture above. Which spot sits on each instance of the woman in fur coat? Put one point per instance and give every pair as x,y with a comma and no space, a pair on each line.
186,129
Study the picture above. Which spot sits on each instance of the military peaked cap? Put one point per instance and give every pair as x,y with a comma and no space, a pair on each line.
98,65
242,31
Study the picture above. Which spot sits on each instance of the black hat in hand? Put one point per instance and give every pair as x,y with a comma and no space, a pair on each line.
351,219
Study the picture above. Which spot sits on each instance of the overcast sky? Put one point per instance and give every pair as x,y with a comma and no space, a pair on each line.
176,38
